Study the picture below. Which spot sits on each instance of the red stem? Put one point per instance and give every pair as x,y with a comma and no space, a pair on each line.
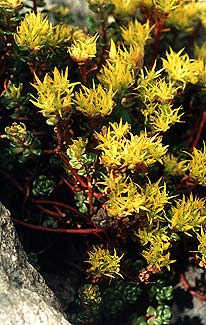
60,204
90,195
158,32
71,187
52,213
83,72
60,230
202,123
188,288
78,178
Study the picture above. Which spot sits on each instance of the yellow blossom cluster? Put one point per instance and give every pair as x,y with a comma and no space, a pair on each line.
123,196
83,49
188,214
120,148
197,166
157,94
55,96
11,4
173,166
95,102
35,33
104,263
117,73
181,68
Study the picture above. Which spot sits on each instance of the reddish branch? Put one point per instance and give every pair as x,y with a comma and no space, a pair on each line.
90,195
60,230
202,123
188,288
60,204
158,31
51,213
66,161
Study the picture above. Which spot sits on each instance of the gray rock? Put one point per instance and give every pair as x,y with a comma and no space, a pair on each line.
25,298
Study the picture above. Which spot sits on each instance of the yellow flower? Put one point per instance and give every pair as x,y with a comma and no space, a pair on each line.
181,68
55,96
156,198
128,150
123,196
202,244
62,33
188,214
157,256
132,57
34,32
117,75
11,4
125,7
82,50
164,116
95,102
104,263
167,5
187,14
197,166
137,33
174,167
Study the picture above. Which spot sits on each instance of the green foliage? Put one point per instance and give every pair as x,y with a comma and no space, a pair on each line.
22,142
43,186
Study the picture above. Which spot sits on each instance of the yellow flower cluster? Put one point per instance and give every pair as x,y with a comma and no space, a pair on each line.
157,255
11,4
136,33
166,5
156,197
35,32
157,94
181,68
120,148
104,263
188,214
83,49
197,166
117,73
201,237
125,7
95,102
124,198
55,96
187,13
174,167
132,57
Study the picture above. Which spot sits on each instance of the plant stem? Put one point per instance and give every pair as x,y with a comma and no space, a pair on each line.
50,212
202,123
188,288
78,178
60,204
90,195
60,230
158,32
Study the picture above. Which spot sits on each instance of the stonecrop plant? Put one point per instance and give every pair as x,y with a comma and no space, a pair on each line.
103,135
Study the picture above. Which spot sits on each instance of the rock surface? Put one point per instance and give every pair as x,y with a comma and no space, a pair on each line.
25,298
